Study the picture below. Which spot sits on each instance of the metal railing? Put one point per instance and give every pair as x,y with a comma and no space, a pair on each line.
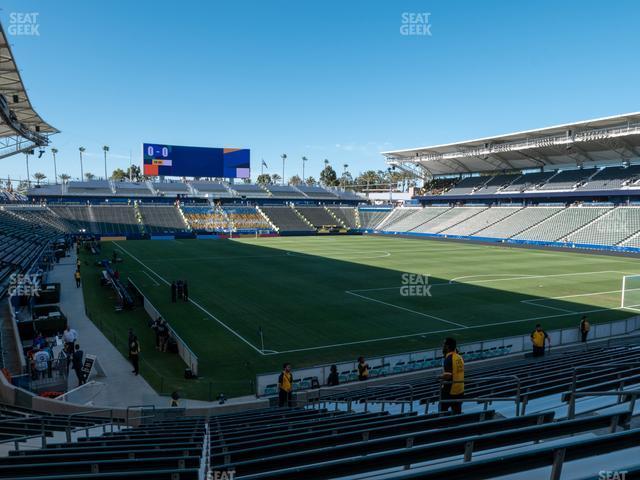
86,428
141,408
517,398
392,401
574,394
23,438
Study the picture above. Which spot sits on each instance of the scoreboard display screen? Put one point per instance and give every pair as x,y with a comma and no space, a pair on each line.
181,161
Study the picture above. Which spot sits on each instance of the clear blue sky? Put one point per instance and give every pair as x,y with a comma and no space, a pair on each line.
325,79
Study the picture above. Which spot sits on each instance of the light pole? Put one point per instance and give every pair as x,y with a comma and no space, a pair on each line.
344,172
284,157
81,150
55,168
304,160
105,149
27,153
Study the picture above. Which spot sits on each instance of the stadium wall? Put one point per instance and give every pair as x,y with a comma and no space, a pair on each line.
519,344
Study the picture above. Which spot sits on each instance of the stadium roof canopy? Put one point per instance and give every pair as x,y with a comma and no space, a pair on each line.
21,128
603,140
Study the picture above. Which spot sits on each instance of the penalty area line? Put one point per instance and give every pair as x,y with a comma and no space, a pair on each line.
220,322
405,309
421,334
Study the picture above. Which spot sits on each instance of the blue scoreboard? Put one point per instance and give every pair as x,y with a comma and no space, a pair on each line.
181,161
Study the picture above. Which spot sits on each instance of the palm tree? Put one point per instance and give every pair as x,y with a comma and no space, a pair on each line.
304,160
55,169
81,150
39,176
89,176
275,178
65,177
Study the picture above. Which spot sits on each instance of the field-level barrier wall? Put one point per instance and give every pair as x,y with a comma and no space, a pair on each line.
518,343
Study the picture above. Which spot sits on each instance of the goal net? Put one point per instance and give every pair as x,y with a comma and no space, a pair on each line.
631,292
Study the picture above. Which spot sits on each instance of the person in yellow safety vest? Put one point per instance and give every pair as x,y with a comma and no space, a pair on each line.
285,387
585,326
538,337
452,378
77,277
363,369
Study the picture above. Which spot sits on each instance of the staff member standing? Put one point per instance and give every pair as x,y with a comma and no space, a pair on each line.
285,387
538,337
584,328
77,277
363,369
452,377
134,354
77,364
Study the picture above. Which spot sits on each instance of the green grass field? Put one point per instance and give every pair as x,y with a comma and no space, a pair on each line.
326,299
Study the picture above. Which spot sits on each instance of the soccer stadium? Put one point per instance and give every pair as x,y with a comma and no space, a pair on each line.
206,306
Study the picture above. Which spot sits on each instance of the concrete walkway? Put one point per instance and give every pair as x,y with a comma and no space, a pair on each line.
120,387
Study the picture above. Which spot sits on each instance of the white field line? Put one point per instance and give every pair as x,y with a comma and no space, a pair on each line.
532,302
151,278
406,309
492,280
526,277
564,314
494,324
227,327
366,255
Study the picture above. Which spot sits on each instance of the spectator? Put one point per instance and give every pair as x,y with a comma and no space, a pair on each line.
163,333
77,364
363,369
452,378
156,328
78,263
584,328
69,337
538,337
333,379
77,277
180,288
174,399
41,361
39,341
285,387
131,335
134,354
173,292
185,291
